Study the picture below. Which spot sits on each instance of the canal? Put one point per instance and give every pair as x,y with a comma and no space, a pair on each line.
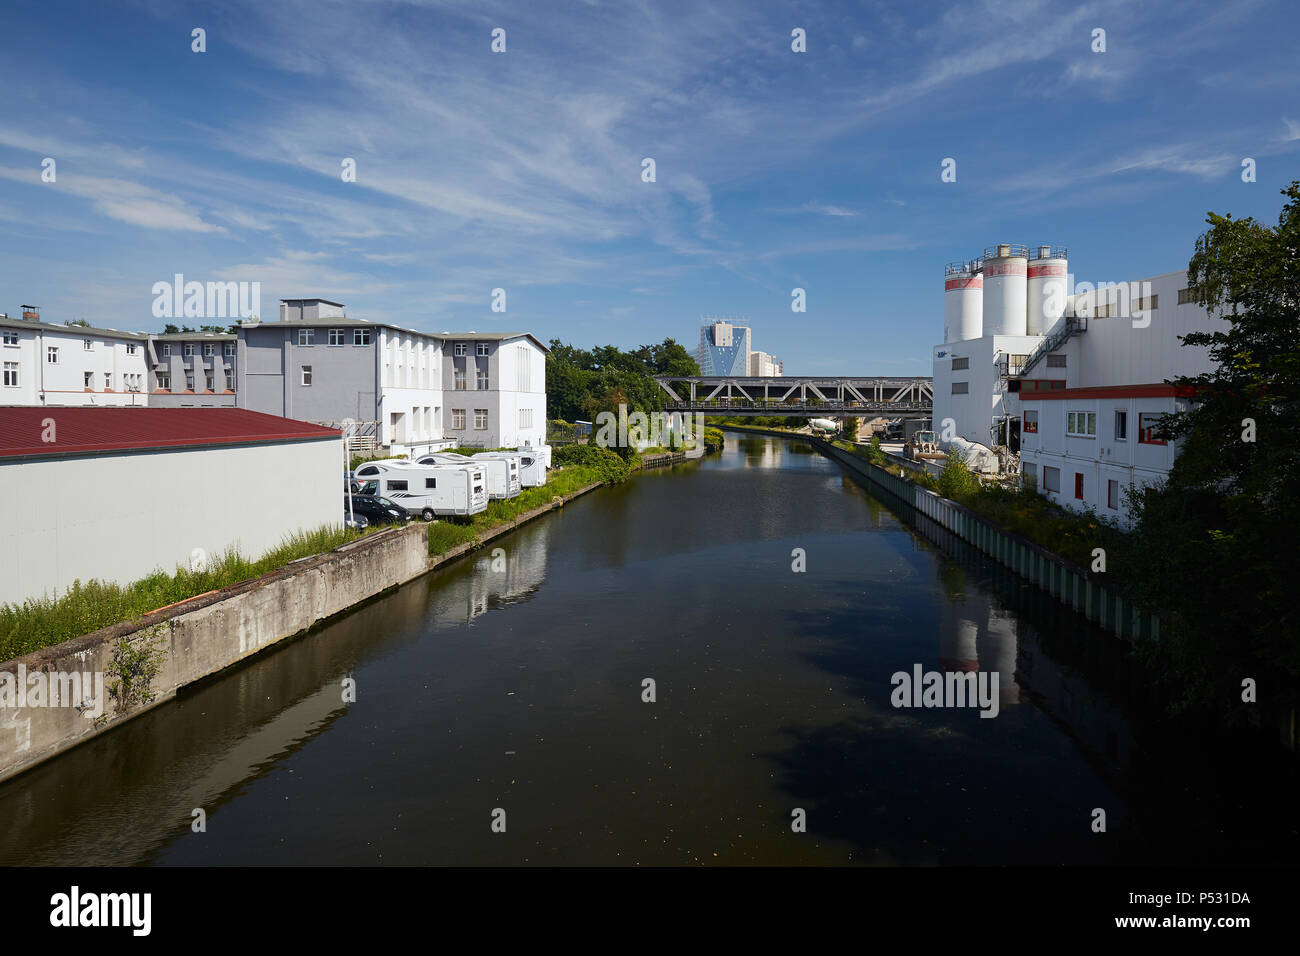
514,681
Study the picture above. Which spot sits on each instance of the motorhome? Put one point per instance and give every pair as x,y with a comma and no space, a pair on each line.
427,490
502,473
532,469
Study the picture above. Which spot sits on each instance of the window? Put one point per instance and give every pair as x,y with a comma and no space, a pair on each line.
458,418
960,363
209,348
961,388
360,336
481,349
1028,475
1056,361
189,381
209,380
306,375
229,349
1121,425
130,348
1031,423
1081,424
167,351
1078,486
480,418
108,381
523,368
1112,495
11,374
189,349
397,484
1103,311
88,380
1185,296
1051,478
525,418
1146,427
460,349
88,345
1146,303
52,355
336,336
481,380
460,380
305,336
431,483
11,337
164,382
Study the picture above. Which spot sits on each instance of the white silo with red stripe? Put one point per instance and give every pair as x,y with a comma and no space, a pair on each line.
1047,288
1005,271
963,302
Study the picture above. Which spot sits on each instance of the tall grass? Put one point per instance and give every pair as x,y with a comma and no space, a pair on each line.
87,607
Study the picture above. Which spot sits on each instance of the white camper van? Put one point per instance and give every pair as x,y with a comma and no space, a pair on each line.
427,490
502,475
532,468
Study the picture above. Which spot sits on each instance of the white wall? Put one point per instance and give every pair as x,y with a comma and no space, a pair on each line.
973,412
120,517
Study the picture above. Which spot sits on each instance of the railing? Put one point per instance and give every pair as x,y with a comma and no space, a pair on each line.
1074,325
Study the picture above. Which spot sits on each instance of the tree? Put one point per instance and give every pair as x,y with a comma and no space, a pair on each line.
1216,567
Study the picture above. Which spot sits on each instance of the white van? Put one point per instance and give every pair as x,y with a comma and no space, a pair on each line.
532,468
427,490
502,475
509,460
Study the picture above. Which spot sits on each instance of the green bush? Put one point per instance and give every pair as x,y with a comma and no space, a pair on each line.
608,466
957,481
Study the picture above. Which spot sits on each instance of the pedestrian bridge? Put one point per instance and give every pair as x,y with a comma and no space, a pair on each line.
819,396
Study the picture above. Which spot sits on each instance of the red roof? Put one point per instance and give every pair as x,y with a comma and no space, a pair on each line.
82,431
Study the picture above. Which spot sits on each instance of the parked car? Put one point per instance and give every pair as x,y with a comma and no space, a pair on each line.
356,521
377,510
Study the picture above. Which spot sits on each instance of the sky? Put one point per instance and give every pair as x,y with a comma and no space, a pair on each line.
523,170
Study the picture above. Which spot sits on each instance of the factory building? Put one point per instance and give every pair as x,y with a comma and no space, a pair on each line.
114,494
1071,376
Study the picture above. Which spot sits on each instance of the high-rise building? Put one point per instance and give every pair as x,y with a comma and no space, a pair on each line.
723,349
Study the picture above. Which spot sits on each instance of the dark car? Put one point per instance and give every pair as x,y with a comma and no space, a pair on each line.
377,510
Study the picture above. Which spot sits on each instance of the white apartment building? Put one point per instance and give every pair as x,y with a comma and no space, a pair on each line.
762,365
495,389
1072,379
45,363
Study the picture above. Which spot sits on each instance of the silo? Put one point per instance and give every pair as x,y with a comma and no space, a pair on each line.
1048,271
1005,302
963,302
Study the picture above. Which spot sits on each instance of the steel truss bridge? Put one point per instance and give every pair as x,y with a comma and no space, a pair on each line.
815,396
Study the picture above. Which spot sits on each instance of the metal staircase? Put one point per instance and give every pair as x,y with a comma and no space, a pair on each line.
1074,325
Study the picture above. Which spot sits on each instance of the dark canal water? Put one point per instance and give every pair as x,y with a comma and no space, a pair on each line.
521,689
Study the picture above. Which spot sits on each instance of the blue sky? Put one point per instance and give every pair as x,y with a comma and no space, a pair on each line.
522,170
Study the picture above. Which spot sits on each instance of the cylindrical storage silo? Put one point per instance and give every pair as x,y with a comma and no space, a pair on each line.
1047,288
963,302
1005,292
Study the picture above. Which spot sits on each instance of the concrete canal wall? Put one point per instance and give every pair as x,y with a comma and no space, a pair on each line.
203,635
1059,577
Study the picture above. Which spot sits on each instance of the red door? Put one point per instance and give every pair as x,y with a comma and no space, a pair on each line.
1078,486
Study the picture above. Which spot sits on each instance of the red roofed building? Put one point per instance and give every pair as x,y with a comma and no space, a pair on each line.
116,493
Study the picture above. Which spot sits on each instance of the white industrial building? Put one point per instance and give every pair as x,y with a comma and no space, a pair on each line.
114,494
1069,375
45,363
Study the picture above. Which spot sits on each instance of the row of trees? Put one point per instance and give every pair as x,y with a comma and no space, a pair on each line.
581,383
